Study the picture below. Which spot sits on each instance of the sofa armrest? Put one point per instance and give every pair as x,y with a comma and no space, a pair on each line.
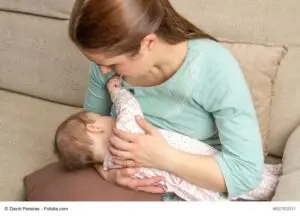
289,184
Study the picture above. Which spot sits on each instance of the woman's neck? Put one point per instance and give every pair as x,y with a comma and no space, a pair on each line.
168,59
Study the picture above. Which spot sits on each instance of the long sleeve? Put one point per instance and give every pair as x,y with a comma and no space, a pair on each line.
127,107
226,96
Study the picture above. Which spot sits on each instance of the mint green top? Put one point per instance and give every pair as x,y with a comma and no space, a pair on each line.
207,99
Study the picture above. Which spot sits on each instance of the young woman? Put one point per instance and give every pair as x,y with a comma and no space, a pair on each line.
184,80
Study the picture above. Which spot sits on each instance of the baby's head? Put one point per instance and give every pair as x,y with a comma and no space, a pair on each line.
81,139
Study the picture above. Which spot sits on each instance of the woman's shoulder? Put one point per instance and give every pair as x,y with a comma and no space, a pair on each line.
217,57
220,70
204,43
210,48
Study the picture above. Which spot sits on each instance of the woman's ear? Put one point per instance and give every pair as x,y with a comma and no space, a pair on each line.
94,128
148,42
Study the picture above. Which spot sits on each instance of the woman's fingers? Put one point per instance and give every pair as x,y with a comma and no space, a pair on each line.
145,125
119,154
152,189
128,172
153,181
150,184
124,163
126,136
120,144
125,177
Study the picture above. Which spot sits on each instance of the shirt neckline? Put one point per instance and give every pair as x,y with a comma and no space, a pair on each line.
169,81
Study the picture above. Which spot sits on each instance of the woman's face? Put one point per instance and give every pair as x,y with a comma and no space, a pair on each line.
130,66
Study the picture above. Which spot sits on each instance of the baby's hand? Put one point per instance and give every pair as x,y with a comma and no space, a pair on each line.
113,83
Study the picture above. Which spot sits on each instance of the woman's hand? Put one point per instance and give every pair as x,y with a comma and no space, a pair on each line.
124,177
139,150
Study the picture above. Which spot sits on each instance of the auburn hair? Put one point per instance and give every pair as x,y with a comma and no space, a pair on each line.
117,27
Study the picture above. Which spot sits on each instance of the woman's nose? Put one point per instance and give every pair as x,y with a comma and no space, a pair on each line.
105,69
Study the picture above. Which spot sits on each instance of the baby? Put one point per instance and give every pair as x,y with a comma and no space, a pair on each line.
82,140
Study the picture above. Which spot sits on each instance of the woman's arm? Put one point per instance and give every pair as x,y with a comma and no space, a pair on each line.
238,168
97,98
203,171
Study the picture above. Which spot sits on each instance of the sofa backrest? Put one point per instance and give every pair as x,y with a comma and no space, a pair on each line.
36,56
58,9
38,59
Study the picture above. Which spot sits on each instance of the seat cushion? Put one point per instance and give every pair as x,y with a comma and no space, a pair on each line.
53,183
285,115
289,188
60,9
291,158
27,128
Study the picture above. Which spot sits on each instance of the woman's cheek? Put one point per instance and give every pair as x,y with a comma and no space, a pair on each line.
127,71
118,70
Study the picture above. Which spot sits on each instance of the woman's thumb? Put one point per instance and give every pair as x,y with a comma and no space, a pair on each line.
145,125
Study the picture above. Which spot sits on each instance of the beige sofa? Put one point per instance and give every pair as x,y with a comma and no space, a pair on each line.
43,78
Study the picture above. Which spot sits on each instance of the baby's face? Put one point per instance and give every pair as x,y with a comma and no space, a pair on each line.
100,131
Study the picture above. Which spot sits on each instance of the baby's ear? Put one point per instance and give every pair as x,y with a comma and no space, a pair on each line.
94,128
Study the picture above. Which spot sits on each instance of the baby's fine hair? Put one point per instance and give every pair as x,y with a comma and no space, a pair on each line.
72,143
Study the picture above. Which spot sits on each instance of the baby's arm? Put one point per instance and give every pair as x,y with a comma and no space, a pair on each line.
127,107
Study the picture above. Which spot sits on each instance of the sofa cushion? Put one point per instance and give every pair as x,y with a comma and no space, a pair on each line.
53,183
60,9
285,115
253,21
291,159
288,188
27,127
260,64
40,60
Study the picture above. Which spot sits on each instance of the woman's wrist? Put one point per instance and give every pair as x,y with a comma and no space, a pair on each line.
168,163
